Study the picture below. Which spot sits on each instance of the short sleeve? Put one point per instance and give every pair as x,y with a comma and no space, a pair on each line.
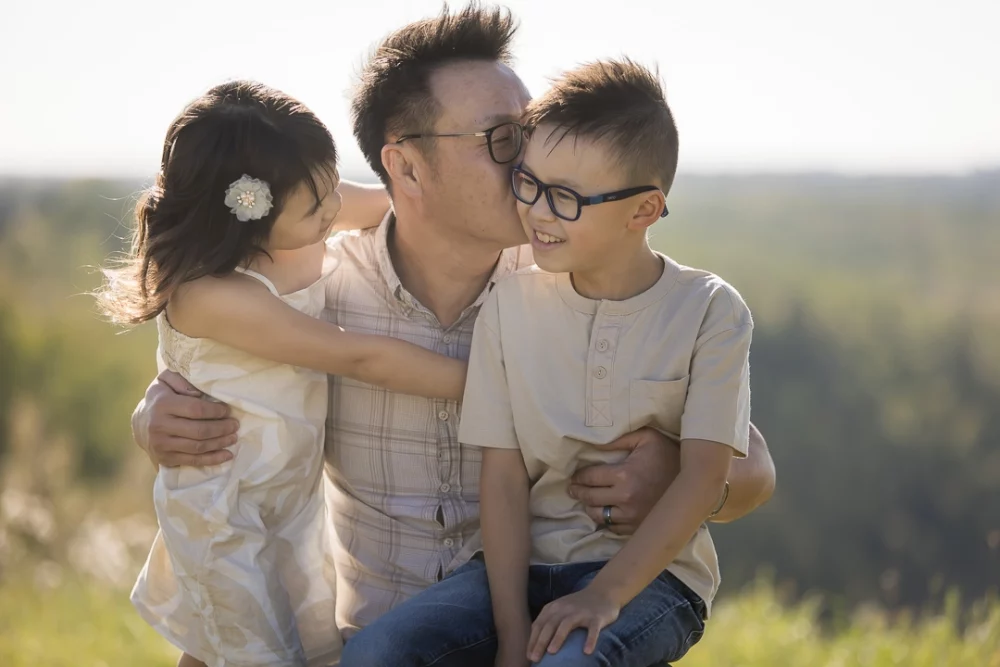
717,407
487,419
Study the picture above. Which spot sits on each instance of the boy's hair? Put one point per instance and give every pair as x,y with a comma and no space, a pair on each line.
393,94
620,104
184,230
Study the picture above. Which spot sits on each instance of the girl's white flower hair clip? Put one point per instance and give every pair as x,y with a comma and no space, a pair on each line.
249,198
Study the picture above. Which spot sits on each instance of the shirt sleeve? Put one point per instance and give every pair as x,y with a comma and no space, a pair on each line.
487,419
717,407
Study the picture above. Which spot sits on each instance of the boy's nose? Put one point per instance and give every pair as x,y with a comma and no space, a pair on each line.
541,210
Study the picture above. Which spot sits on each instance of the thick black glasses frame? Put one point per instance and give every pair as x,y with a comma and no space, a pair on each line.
488,133
581,201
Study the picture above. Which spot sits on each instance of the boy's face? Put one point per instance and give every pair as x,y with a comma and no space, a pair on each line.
602,231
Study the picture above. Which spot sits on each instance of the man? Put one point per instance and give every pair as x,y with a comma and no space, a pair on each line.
436,115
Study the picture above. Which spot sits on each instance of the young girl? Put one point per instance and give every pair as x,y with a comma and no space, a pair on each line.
229,257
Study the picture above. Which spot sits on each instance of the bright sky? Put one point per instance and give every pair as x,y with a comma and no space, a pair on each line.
859,86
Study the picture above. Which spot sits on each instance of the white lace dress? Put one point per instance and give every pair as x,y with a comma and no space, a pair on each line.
241,571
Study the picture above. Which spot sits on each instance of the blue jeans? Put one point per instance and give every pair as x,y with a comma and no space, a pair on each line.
451,623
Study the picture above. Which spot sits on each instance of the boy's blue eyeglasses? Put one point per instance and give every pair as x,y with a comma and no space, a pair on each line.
564,202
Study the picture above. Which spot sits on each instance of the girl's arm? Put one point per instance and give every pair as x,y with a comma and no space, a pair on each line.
505,521
246,316
362,206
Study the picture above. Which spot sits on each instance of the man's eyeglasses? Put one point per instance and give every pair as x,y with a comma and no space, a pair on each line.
564,202
504,140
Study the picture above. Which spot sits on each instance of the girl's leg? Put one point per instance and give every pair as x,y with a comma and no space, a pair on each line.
188,661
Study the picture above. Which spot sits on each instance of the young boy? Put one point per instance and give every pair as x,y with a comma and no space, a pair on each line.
605,336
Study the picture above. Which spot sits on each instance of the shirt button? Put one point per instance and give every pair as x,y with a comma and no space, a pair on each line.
443,415
600,372
447,339
449,542
602,345
445,488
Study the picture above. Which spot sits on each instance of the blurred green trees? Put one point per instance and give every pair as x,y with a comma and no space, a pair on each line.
875,363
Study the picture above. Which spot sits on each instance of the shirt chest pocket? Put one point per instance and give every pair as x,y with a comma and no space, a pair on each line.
657,403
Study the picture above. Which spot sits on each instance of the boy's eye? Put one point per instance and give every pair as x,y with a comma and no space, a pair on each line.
564,197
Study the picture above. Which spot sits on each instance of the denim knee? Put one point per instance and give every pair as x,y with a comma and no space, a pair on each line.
571,654
375,649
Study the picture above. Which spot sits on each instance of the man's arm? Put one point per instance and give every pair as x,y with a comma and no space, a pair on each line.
751,480
633,486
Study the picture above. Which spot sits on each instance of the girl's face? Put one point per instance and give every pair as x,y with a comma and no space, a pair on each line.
304,220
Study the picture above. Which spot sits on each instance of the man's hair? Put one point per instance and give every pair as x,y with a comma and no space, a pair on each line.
393,94
619,104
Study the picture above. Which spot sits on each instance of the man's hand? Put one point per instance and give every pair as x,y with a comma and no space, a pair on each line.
631,487
176,426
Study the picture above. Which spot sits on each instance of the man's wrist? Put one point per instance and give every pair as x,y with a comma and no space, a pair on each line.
722,501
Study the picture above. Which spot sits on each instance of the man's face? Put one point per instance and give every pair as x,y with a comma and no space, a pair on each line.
470,190
587,168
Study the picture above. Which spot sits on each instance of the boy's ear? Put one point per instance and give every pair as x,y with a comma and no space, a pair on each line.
402,164
649,210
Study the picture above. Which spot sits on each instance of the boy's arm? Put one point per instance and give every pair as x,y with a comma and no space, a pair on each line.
715,426
505,520
362,206
671,524
246,316
488,422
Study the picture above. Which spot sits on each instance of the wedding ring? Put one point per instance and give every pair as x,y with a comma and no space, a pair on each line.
607,516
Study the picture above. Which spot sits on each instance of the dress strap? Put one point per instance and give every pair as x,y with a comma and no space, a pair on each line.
267,283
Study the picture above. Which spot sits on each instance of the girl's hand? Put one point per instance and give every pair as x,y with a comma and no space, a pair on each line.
589,608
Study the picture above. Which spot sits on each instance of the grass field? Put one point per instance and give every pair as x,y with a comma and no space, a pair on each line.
82,625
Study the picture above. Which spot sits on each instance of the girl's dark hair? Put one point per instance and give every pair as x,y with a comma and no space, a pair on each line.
184,230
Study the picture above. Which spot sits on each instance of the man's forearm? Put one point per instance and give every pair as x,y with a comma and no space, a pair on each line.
751,481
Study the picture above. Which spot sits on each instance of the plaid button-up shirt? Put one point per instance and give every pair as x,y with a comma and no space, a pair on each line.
403,494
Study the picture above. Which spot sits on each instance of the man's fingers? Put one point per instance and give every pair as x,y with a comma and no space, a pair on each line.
597,475
621,524
179,428
627,442
595,496
177,382
190,407
174,460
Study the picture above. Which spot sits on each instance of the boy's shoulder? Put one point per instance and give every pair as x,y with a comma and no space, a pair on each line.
721,300
528,281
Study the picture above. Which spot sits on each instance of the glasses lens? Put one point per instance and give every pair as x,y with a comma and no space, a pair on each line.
525,187
505,142
564,203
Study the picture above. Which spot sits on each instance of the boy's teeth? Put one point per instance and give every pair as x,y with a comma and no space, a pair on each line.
546,238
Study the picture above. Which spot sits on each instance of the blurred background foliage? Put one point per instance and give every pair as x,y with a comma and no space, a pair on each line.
875,375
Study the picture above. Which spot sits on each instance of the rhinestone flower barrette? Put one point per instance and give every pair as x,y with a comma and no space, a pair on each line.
249,198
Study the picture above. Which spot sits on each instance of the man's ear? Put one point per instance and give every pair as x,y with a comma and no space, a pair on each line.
649,210
403,166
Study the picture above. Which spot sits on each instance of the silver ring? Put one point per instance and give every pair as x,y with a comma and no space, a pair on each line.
607,516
